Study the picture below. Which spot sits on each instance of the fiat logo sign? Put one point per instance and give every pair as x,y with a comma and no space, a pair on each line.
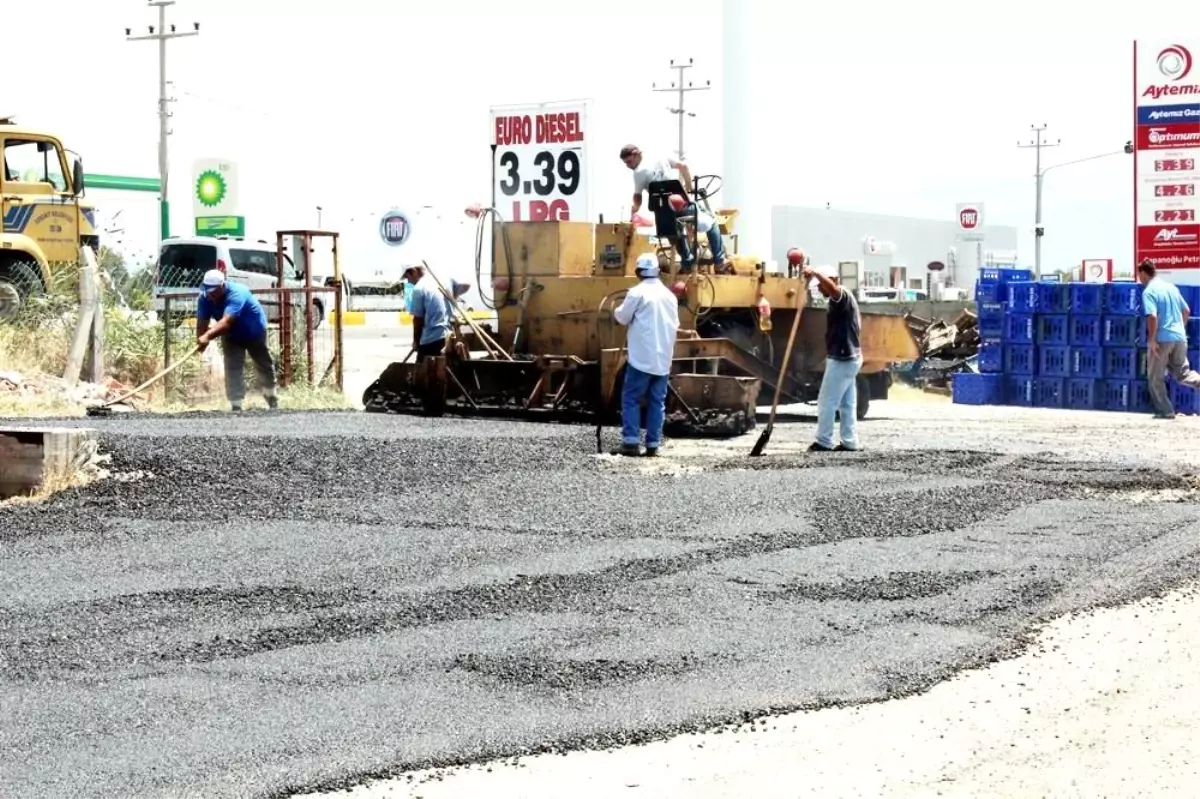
394,228
968,218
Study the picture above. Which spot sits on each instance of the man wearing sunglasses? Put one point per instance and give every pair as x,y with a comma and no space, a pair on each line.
242,326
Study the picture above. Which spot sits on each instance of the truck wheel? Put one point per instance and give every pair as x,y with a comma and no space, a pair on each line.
19,283
862,389
318,315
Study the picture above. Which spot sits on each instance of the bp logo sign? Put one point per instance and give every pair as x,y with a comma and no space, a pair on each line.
394,228
211,188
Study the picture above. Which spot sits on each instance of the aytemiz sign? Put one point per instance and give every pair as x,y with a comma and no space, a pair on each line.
969,217
1166,118
541,162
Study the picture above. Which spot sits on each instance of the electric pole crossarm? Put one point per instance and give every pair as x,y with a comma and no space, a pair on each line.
680,90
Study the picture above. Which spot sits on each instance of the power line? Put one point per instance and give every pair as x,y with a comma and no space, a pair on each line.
162,35
680,89
1037,145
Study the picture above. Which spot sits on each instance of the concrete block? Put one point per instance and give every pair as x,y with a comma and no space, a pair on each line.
31,458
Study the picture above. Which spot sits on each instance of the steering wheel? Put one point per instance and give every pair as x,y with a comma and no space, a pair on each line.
703,185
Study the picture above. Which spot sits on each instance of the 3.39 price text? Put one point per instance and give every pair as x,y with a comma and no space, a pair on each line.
559,174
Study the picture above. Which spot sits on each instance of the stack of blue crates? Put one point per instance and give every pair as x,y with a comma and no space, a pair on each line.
1067,345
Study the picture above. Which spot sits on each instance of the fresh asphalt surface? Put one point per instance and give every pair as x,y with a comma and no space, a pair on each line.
257,605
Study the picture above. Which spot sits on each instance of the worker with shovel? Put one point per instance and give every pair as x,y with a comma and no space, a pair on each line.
843,360
242,326
651,312
432,311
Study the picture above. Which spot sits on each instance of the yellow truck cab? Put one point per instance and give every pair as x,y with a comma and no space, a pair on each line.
46,219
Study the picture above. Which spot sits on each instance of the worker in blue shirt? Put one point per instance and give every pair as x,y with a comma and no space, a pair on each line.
432,312
242,326
1167,314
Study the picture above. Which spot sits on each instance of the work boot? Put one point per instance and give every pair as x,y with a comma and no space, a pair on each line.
844,448
272,402
236,407
651,452
628,450
817,447
1161,415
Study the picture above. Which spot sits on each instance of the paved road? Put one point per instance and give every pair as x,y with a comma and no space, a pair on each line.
277,602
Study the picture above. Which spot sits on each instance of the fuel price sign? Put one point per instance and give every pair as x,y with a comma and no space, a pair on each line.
541,162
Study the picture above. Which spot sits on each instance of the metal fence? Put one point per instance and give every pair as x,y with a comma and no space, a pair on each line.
304,335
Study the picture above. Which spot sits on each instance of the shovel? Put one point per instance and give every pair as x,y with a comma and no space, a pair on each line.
105,409
761,444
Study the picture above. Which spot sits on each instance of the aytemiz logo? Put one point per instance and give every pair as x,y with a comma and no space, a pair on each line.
1168,137
1173,234
1175,62
1168,114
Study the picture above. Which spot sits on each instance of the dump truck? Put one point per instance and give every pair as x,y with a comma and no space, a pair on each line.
556,352
46,218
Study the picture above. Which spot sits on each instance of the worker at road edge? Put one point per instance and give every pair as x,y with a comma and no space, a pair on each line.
651,313
843,360
1167,315
648,172
432,312
242,326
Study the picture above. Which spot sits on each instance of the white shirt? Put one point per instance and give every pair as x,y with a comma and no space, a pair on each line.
651,313
651,171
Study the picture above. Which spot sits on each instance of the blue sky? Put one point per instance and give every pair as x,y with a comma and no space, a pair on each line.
360,106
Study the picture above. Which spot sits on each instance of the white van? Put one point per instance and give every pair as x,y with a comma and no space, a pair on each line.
183,260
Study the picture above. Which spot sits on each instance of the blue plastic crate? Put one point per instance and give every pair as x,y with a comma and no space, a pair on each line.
1121,331
1191,295
1020,328
1087,362
1023,296
1087,298
1051,392
1003,276
1084,394
1139,397
1194,360
1054,361
1120,363
991,358
991,328
1185,399
1021,390
1084,330
990,310
1054,297
1117,395
1193,332
990,292
1020,359
1054,330
968,388
1123,298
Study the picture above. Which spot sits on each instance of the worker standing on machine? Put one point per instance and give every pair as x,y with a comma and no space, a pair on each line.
843,360
243,325
432,312
651,313
662,179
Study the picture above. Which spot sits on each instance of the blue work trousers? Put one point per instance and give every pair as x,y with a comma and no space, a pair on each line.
684,243
638,386
839,395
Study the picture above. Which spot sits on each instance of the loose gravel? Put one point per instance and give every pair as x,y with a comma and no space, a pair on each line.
276,602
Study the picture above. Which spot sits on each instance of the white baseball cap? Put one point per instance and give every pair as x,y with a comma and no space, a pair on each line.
213,278
647,265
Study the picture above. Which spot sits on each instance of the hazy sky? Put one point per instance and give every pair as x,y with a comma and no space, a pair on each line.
361,105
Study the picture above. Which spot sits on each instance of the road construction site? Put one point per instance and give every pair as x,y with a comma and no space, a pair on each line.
275,603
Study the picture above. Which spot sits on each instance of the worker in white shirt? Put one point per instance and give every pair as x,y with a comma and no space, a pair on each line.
651,312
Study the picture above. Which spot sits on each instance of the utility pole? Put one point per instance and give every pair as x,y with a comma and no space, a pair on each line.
681,89
1037,144
161,35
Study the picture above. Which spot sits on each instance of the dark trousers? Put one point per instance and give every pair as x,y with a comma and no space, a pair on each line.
432,349
235,353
